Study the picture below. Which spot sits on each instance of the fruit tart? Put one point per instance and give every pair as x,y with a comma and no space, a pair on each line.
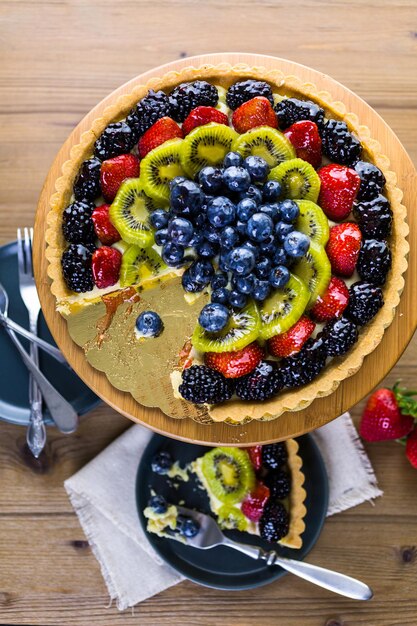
227,245
256,490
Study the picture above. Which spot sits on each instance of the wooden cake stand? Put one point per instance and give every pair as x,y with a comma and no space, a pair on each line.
290,424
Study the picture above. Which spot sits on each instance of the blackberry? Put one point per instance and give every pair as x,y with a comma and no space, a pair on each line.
148,111
87,184
374,261
305,366
245,90
365,300
374,217
372,180
201,384
279,484
339,145
77,225
187,96
116,139
291,110
261,384
274,523
274,455
338,336
76,268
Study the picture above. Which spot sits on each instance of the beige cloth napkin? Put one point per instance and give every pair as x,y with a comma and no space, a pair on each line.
103,496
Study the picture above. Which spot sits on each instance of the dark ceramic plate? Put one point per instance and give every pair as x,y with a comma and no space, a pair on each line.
221,567
14,381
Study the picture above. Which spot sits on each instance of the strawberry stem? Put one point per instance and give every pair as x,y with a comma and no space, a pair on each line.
405,399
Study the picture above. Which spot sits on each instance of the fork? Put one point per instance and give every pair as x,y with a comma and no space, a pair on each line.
210,535
36,431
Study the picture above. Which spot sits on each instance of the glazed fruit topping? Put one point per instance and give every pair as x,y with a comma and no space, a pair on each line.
339,186
106,264
332,302
255,455
291,341
104,229
253,113
76,268
203,115
274,523
279,484
306,140
163,130
382,418
305,366
188,96
77,225
343,248
372,180
365,300
374,217
237,363
114,171
338,336
339,145
254,503
149,324
374,261
274,455
87,183
245,90
291,110
150,109
201,384
261,384
117,138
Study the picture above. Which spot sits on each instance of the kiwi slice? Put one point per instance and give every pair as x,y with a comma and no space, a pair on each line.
242,328
206,145
298,178
283,308
265,142
231,518
313,222
139,264
229,473
159,167
130,213
314,270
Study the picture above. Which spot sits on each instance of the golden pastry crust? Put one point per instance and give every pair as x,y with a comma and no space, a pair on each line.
296,507
224,74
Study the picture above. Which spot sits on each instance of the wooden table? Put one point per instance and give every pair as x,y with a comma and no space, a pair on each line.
57,59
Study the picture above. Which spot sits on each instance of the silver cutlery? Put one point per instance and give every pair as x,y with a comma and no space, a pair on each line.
210,535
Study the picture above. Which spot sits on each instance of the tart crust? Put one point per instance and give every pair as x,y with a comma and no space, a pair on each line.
224,74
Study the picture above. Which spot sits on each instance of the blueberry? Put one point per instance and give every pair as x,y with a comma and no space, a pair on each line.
263,267
172,254
176,181
221,211
200,221
219,280
159,218
271,209
211,179
186,198
282,230
161,236
214,317
279,276
257,167
220,295
187,526
296,244
241,261
180,231
271,190
289,211
261,289
236,178
232,159
268,246
161,463
207,250
237,300
197,276
246,208
197,238
252,192
253,248
229,237
212,234
280,257
243,284
158,504
223,261
260,227
241,228
149,324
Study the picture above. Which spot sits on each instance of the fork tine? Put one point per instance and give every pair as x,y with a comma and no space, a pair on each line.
28,250
20,252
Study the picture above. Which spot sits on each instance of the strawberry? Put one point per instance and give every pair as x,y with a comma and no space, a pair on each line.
254,503
411,448
255,112
235,364
203,115
106,266
343,248
332,303
160,132
382,418
306,140
114,171
255,455
292,340
338,189
105,230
